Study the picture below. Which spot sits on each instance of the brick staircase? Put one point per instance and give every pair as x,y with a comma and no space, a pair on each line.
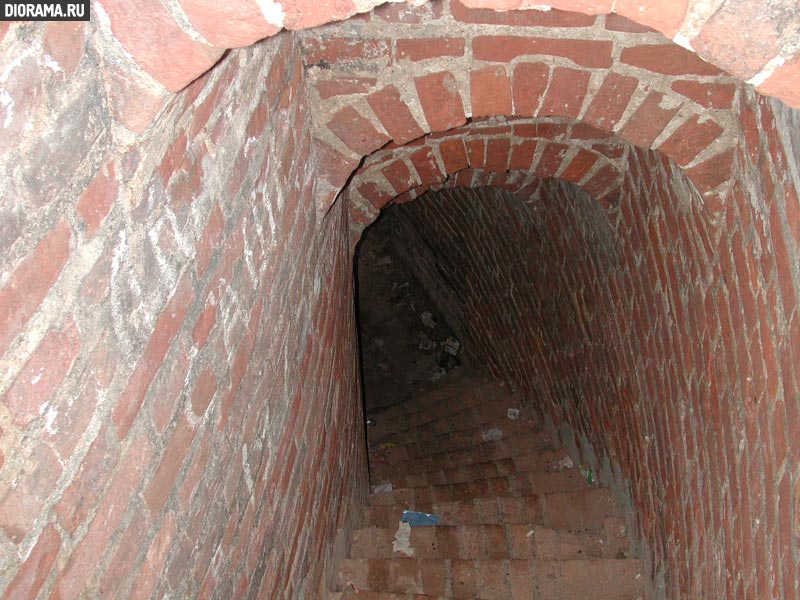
517,519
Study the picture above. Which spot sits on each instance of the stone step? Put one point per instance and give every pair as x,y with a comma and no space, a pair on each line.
443,470
440,401
481,542
463,418
530,483
416,447
589,579
577,512
508,447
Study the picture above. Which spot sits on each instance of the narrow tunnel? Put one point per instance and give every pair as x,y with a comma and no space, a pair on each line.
598,209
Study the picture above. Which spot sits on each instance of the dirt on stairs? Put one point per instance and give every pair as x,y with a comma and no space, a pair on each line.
517,519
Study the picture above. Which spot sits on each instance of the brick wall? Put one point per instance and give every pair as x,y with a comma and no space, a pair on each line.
178,400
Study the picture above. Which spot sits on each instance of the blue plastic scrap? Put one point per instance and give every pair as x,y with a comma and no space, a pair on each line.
420,519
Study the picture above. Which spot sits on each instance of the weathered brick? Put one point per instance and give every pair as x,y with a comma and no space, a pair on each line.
356,131
39,380
160,38
34,571
166,328
394,114
31,280
667,59
441,100
529,82
566,93
416,49
501,48
666,17
333,50
707,95
610,101
490,91
20,504
96,200
244,23
649,120
690,139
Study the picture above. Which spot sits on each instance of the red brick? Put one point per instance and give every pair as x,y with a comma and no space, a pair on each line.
616,22
426,165
20,505
333,166
166,328
204,325
712,172
30,282
649,120
610,101
504,48
417,49
551,159
65,42
720,39
566,93
204,389
96,200
666,17
302,14
119,495
230,24
497,154
132,103
601,181
784,82
39,380
407,13
441,101
668,59
490,90
690,139
161,37
707,95
125,556
399,176
34,571
454,155
165,477
523,18
343,86
356,131
210,240
87,487
529,82
522,155
394,114
579,165
326,51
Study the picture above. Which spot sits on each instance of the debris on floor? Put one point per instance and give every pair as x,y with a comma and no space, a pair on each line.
492,435
562,464
427,319
513,414
588,474
371,422
420,519
452,346
382,487
402,539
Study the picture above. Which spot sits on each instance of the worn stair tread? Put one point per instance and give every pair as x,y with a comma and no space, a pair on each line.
570,511
444,471
455,393
589,579
517,444
462,418
500,541
528,483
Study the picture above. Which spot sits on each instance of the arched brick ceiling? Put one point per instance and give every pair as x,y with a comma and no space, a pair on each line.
389,79
514,154
151,43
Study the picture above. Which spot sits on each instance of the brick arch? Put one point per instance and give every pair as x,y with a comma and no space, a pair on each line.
172,44
514,154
